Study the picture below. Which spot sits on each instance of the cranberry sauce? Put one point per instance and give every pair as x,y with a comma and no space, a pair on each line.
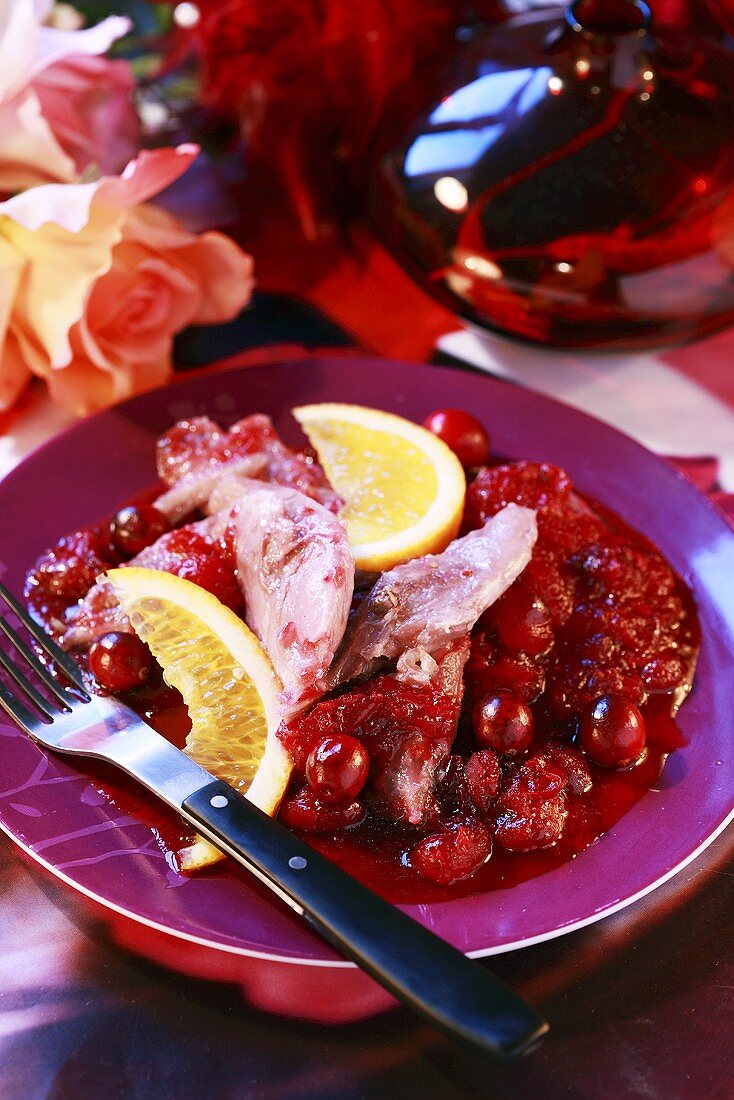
571,689
581,664
378,853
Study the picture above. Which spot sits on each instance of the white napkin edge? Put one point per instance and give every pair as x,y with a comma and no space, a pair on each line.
634,392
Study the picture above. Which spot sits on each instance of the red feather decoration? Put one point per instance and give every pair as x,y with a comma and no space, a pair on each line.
307,80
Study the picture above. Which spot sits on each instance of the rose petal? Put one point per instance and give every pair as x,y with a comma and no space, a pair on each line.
68,206
55,45
66,233
92,381
30,152
13,372
19,32
224,271
147,175
87,102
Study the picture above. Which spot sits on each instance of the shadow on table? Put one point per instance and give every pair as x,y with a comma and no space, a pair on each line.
638,1004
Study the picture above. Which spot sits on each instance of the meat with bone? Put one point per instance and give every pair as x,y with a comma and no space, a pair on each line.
297,578
418,608
192,448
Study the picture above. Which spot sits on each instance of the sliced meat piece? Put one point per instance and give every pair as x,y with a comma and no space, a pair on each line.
196,489
444,670
193,552
198,446
297,578
428,602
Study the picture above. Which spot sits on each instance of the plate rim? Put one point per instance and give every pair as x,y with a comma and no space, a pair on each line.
345,964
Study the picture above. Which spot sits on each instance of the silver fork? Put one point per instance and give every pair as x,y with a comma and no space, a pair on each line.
451,991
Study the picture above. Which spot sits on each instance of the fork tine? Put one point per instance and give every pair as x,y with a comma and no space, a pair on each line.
25,651
66,663
17,710
27,687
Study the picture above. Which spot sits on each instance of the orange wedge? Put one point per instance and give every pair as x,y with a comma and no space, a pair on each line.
402,486
225,678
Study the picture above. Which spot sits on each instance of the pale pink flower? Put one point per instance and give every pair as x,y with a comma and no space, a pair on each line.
100,284
63,108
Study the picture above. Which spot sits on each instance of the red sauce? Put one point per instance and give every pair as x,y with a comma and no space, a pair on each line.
378,852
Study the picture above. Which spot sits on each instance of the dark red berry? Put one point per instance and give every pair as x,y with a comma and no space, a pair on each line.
193,446
119,661
135,527
384,715
304,811
523,621
663,673
454,853
336,769
451,789
503,722
483,778
462,432
544,776
612,732
520,675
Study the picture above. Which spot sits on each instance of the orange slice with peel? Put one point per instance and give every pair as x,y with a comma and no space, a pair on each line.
226,680
403,487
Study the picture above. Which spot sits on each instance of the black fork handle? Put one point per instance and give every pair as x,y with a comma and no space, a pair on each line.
451,991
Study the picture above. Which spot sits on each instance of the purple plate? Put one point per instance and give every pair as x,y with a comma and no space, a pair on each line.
52,810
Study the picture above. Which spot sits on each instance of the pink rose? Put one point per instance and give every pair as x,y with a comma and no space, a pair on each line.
62,107
99,284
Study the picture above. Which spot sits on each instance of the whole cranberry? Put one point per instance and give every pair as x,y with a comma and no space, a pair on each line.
462,432
523,621
137,526
612,731
119,661
503,722
336,769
